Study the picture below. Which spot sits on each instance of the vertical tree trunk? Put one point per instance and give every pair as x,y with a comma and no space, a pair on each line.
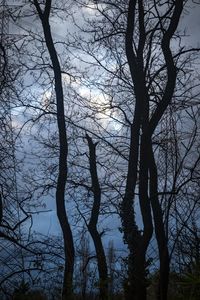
67,293
156,117
159,230
92,226
101,262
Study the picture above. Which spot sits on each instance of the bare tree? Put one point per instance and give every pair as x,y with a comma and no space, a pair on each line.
146,71
134,76
63,151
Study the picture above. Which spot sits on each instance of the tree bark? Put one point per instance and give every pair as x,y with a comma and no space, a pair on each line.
141,142
136,240
159,230
156,117
67,293
92,226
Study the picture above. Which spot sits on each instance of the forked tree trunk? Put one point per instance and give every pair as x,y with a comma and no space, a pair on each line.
144,126
136,240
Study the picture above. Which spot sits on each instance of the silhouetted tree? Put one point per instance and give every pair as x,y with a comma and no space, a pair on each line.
144,70
63,151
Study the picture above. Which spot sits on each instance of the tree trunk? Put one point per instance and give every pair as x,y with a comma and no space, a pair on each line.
137,257
159,230
67,293
101,262
92,226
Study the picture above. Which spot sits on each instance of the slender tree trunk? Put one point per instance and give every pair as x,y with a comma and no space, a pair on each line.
92,226
159,230
101,262
156,117
67,293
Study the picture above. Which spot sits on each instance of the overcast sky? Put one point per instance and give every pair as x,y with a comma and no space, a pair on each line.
47,223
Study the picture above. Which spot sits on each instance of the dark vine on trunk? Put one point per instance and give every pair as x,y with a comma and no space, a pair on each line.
141,154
